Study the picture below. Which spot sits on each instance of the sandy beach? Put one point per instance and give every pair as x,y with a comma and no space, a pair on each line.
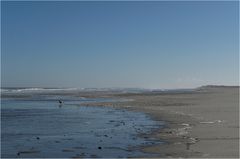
202,123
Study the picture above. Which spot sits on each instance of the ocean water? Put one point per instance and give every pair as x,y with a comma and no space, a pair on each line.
39,127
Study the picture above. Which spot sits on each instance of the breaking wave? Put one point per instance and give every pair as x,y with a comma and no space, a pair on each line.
34,90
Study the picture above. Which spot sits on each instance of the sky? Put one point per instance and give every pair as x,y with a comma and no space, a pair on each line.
119,44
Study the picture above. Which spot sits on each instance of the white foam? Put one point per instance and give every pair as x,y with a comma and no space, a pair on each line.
206,122
34,89
184,124
211,122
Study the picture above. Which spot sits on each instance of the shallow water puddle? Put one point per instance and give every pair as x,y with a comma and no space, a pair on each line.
43,129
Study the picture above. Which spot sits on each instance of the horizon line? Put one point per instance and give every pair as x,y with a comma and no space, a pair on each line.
210,85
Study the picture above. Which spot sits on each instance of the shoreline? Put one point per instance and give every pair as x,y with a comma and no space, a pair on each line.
35,129
166,134
203,123
200,123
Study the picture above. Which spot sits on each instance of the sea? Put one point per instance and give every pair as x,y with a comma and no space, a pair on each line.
35,125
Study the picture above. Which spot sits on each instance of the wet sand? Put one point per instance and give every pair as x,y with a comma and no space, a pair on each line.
41,128
201,123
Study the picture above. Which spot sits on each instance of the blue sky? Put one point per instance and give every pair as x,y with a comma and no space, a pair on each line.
119,44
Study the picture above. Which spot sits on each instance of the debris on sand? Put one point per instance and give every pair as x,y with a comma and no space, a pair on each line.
27,152
68,150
